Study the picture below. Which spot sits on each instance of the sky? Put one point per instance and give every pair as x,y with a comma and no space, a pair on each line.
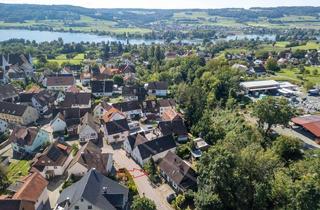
172,4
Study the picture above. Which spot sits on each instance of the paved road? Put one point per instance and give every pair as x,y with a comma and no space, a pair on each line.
310,143
140,179
303,136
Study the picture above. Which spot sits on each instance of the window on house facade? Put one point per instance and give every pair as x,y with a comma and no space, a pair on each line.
76,207
89,207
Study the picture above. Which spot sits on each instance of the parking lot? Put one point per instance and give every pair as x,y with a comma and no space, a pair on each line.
309,104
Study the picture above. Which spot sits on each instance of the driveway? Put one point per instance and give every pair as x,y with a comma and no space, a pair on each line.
141,180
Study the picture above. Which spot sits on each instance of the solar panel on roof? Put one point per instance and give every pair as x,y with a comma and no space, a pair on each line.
54,153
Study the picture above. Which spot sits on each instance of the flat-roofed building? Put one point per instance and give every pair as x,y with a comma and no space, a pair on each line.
259,86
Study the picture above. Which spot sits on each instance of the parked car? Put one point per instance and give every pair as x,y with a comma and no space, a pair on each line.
171,197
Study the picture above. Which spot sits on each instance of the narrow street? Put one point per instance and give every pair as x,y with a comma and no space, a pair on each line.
141,180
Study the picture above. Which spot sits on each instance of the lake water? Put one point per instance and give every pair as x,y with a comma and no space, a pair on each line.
42,36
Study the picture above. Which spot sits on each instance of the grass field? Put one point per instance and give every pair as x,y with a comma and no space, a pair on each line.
63,58
17,170
294,76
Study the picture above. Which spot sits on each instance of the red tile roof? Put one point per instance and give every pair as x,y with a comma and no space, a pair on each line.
310,123
33,186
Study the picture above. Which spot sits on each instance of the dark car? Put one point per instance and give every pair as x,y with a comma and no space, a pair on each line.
171,197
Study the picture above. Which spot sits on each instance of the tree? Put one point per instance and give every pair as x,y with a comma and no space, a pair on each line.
298,187
272,65
118,80
238,178
288,148
74,149
272,111
4,182
151,168
53,65
179,201
143,204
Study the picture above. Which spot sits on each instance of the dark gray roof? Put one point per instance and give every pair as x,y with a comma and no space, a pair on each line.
150,106
73,99
117,126
167,103
102,86
60,80
158,85
156,146
178,171
26,97
15,204
176,127
97,189
91,156
12,109
127,106
7,91
136,139
45,97
129,91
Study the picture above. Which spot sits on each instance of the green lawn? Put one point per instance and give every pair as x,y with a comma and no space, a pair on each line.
294,76
18,169
63,58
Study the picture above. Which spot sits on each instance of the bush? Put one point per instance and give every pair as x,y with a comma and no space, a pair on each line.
183,151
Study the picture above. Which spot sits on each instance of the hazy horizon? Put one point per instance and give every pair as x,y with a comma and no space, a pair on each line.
169,4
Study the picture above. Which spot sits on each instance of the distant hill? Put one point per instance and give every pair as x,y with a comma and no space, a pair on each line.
25,12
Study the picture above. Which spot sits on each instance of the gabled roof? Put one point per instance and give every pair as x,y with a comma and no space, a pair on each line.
110,113
156,146
91,156
16,204
88,119
17,59
127,106
60,81
23,135
157,85
171,115
55,155
150,106
117,126
176,127
178,171
12,109
73,89
96,189
45,97
167,103
7,91
310,123
68,113
136,139
105,86
140,92
32,187
74,99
